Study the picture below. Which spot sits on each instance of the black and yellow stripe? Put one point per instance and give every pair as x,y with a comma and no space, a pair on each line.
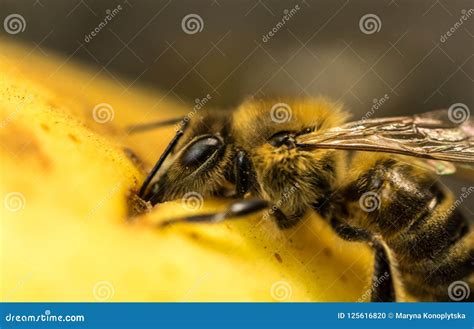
431,243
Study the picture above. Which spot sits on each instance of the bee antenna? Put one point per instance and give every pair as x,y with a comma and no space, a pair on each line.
160,161
152,125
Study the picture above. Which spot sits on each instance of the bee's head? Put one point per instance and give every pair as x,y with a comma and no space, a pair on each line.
257,121
268,130
198,163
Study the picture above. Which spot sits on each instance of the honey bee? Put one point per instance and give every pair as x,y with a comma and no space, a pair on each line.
362,177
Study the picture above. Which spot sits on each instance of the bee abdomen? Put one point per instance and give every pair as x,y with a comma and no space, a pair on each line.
431,236
436,250
430,241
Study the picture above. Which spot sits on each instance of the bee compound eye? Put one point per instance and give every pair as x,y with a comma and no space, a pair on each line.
282,138
200,151
279,138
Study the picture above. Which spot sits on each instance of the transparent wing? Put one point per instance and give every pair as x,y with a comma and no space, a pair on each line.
433,135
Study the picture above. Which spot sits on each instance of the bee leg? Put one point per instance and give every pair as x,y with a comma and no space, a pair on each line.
382,282
348,232
283,221
244,174
236,210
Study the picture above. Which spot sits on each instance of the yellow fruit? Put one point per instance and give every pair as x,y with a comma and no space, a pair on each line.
65,185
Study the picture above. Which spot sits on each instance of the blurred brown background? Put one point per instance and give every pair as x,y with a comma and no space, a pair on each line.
405,56
319,50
